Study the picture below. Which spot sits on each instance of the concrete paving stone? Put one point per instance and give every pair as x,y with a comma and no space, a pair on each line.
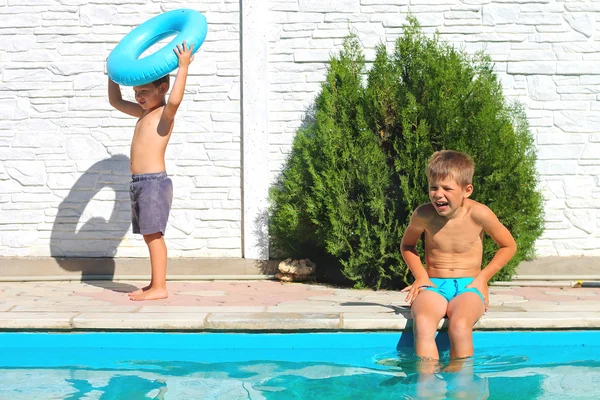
526,291
587,302
111,285
500,289
352,292
49,299
86,289
331,309
28,302
42,292
563,306
333,299
545,297
36,320
361,303
508,303
140,321
364,321
384,299
273,321
202,309
270,305
539,303
84,303
320,287
74,308
206,293
501,298
574,293
6,293
503,308
539,320
308,302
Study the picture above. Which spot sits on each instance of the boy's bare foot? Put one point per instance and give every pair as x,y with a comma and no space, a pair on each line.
140,291
454,365
428,365
150,294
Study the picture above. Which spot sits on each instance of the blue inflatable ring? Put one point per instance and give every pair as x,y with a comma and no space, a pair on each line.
126,68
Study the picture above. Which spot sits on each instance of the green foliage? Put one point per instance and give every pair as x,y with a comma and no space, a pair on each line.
357,167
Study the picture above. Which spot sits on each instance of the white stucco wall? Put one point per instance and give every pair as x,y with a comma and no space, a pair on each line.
64,150
546,53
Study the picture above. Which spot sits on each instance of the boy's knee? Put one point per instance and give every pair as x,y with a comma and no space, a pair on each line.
424,325
152,236
459,326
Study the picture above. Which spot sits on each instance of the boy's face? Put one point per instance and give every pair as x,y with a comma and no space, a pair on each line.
447,196
149,96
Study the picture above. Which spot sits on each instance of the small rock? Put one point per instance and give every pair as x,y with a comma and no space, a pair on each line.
297,267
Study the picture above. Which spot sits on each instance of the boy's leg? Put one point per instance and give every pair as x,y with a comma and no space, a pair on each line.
463,312
427,311
158,259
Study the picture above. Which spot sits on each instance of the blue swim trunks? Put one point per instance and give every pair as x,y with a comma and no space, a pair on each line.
452,287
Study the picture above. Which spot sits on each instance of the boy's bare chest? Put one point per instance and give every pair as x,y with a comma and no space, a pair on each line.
146,125
454,235
146,132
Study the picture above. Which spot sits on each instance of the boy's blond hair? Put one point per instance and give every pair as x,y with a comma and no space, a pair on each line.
450,163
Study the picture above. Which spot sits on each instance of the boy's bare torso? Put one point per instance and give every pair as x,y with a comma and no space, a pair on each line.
453,246
148,146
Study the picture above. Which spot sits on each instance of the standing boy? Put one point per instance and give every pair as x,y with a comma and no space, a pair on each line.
454,284
151,189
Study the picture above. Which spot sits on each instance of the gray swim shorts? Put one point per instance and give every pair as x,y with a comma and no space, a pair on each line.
151,198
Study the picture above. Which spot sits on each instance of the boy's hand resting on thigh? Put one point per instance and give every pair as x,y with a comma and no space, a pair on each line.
482,286
417,287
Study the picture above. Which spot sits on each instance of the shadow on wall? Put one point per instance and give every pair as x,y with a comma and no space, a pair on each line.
260,230
91,248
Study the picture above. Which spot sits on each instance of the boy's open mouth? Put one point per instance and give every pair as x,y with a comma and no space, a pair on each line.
441,203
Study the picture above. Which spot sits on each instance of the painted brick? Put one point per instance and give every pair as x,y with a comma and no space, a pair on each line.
329,5
57,127
68,84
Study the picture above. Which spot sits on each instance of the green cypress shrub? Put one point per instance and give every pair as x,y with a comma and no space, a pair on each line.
357,167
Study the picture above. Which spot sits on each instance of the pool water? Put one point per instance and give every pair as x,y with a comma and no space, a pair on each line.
507,365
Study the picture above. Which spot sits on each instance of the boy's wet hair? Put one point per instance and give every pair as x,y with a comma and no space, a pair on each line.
161,80
450,163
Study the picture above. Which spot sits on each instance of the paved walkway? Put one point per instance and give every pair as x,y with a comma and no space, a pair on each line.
268,306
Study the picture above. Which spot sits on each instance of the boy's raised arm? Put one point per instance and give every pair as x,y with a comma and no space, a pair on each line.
116,100
184,53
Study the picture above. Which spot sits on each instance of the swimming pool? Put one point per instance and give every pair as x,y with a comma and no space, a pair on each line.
112,365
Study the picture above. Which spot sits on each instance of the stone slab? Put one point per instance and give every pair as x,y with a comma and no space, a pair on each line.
36,320
367,321
539,320
566,266
145,321
269,306
78,308
273,321
50,268
202,309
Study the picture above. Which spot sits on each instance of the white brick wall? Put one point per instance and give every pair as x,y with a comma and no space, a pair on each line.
546,53
64,167
63,150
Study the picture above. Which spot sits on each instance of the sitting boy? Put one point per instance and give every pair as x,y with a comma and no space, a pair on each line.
454,284
151,189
